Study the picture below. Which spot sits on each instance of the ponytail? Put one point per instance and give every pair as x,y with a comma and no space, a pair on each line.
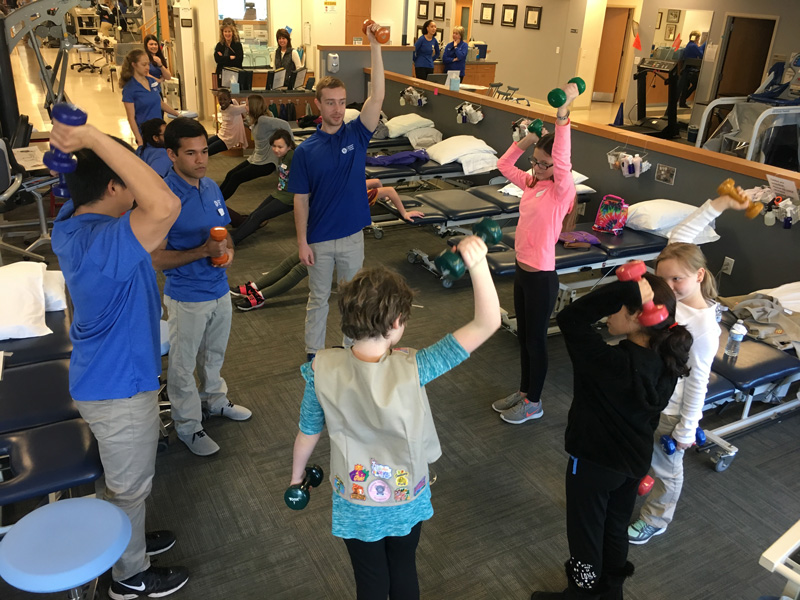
126,71
668,339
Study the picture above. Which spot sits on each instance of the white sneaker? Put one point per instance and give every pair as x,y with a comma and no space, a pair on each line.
199,443
232,411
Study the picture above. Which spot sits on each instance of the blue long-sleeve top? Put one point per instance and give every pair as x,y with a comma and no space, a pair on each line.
425,51
453,52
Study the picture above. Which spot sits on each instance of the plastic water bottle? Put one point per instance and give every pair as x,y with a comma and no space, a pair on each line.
735,338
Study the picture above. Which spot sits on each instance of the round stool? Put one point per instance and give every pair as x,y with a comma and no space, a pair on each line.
64,545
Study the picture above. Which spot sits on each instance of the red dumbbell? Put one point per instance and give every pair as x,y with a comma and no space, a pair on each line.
645,485
218,234
652,314
382,35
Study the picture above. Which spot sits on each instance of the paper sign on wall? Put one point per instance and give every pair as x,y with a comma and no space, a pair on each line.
330,6
783,187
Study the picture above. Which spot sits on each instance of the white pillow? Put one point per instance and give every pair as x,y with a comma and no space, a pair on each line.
55,296
584,189
654,215
351,114
453,148
424,137
404,123
22,301
478,162
578,178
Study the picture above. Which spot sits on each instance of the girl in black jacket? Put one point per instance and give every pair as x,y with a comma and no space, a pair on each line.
619,393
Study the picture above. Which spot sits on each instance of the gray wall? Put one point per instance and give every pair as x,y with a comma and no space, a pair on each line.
353,62
765,256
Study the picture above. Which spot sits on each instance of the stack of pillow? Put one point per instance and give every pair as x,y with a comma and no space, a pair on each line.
27,290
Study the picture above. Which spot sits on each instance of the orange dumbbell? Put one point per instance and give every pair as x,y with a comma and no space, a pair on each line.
218,234
728,188
382,35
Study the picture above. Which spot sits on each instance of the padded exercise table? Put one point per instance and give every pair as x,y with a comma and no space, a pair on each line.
53,346
417,171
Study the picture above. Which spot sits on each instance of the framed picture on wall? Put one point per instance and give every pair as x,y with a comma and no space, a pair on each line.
509,15
669,32
658,19
422,9
673,16
533,17
487,13
438,11
420,31
440,36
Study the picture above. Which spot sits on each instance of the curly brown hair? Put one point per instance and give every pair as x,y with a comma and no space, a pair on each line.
372,301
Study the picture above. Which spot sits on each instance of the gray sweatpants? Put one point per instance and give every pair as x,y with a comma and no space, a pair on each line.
127,435
659,508
198,338
346,256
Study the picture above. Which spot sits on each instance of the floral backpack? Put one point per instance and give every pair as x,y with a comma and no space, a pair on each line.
611,215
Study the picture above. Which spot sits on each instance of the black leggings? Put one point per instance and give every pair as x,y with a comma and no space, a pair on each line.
534,299
422,72
216,145
387,567
268,209
242,172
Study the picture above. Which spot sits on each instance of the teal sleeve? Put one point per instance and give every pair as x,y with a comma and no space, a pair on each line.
439,358
312,417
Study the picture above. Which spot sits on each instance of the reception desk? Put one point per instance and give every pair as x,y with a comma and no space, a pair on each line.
476,72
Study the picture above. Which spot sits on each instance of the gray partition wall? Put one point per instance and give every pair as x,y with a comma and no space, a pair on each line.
765,256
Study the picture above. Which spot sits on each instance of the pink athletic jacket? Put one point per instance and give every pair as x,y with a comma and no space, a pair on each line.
544,205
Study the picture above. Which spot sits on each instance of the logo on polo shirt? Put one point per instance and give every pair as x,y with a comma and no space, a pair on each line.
349,148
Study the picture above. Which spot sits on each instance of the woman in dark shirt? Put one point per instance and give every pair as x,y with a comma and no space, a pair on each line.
285,56
158,64
426,50
228,52
619,393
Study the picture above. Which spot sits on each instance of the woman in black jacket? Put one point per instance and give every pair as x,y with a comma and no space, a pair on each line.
619,393
228,52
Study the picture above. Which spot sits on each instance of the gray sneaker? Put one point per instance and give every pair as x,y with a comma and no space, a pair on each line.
199,443
640,532
523,411
232,411
508,402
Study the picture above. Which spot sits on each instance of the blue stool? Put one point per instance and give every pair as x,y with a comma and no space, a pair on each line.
63,546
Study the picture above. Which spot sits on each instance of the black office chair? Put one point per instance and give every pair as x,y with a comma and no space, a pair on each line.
22,134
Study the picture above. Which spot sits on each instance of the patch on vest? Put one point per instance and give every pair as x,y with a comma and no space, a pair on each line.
403,350
382,471
338,485
401,478
420,486
359,474
379,491
358,493
401,495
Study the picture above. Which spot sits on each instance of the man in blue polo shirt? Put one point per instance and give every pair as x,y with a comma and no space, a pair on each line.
330,198
196,291
103,250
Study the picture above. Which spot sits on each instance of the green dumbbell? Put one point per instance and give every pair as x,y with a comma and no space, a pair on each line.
451,265
557,97
535,126
298,495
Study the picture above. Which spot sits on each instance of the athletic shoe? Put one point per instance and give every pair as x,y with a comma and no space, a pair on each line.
522,411
232,411
155,582
241,291
200,444
158,541
310,356
508,402
640,532
251,301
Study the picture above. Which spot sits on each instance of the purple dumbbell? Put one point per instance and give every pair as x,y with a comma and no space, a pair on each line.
55,159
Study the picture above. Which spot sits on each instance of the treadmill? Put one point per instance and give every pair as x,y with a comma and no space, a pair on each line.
666,126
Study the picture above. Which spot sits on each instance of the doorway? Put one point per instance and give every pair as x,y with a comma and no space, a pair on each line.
609,59
464,11
745,55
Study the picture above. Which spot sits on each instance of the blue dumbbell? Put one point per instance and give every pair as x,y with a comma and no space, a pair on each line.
668,444
55,159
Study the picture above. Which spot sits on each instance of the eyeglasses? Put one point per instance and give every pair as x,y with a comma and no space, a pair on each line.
536,163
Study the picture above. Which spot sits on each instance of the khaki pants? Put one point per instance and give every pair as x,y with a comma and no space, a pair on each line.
346,256
198,338
127,435
659,508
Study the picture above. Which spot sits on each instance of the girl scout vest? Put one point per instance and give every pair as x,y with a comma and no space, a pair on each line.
380,426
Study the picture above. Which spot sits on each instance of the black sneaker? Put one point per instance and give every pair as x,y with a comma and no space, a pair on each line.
158,541
242,290
251,301
155,582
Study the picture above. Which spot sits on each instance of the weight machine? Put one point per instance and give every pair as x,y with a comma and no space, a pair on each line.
662,127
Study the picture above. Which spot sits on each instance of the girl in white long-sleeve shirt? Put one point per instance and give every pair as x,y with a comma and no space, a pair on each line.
683,265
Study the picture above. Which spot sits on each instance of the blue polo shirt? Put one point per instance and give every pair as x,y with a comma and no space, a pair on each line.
157,158
146,102
155,71
201,209
331,169
115,333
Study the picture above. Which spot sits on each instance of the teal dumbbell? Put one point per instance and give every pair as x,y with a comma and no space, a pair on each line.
451,265
298,495
535,126
557,97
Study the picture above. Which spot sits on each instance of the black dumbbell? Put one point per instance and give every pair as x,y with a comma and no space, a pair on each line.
58,161
298,495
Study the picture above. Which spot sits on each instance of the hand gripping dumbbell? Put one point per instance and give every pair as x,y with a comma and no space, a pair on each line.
535,126
669,446
298,495
728,188
218,234
382,35
558,97
55,159
451,265
652,314
645,485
